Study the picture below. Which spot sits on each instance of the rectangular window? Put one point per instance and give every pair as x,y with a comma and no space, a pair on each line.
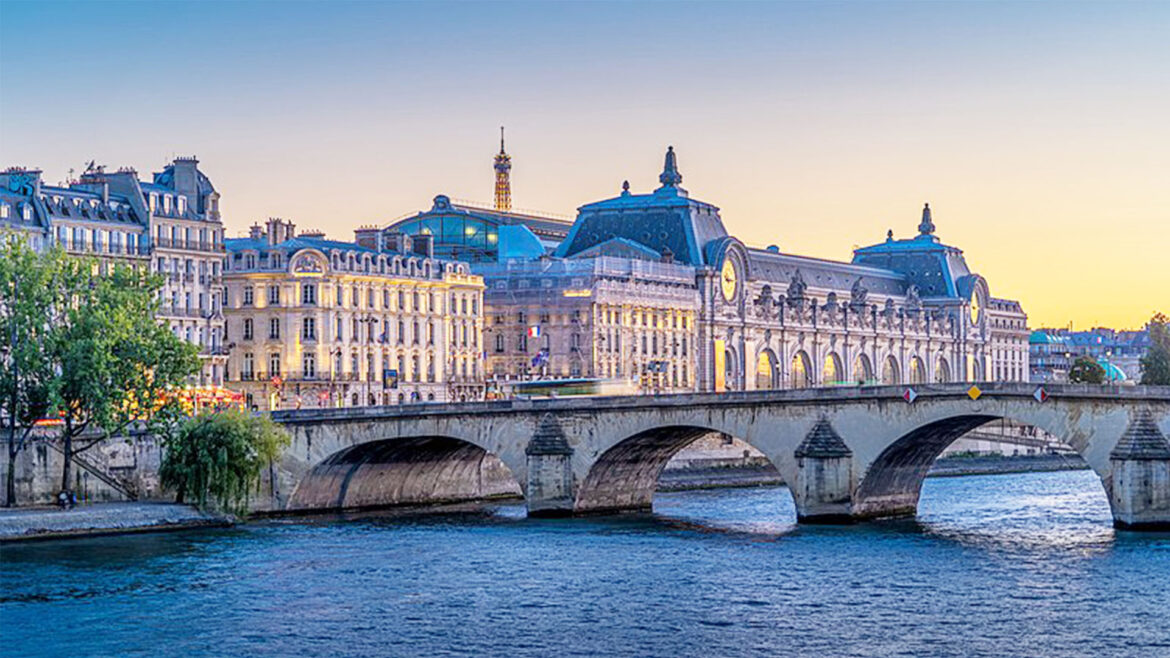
309,294
274,295
248,294
309,329
247,328
274,327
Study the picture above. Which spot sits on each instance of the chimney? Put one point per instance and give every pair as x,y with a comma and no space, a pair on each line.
279,230
25,181
256,232
95,181
368,237
187,177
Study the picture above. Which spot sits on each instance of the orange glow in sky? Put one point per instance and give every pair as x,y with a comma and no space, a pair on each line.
1038,132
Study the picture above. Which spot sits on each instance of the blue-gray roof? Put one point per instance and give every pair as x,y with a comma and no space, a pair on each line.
666,220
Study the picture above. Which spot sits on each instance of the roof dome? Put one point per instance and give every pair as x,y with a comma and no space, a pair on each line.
1112,372
1039,337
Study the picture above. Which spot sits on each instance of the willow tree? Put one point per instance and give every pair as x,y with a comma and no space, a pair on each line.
218,457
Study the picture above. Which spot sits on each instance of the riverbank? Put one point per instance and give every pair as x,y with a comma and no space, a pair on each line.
996,465
35,523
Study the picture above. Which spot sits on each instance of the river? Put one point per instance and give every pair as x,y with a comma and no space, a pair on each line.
1024,564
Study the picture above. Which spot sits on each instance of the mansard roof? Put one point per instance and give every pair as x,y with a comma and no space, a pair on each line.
665,220
821,273
938,270
621,248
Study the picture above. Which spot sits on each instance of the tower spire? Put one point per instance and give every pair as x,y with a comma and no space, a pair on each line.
926,226
670,176
503,169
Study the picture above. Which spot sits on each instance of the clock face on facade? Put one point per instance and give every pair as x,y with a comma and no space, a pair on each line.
976,308
729,279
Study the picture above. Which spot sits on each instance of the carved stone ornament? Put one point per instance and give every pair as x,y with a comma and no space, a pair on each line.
913,300
858,293
796,287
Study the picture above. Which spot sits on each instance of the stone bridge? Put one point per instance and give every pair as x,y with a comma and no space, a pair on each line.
847,453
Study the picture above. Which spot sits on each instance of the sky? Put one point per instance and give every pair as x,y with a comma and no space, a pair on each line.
1039,132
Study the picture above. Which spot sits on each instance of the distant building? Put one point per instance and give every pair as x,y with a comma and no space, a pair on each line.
1119,352
651,288
314,322
171,225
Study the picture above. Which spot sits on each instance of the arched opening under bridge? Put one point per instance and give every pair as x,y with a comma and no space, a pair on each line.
627,475
892,486
404,471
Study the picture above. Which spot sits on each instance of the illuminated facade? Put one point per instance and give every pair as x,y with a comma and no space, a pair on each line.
318,323
714,314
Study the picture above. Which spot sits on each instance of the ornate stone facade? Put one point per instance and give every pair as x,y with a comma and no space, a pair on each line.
904,311
321,323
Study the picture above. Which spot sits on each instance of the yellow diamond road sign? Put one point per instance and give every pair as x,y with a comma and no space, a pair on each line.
974,392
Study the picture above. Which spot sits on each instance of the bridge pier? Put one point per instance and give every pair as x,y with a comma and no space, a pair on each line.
1139,493
550,471
824,478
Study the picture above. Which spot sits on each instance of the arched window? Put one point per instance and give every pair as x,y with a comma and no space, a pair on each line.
862,370
800,367
942,370
917,371
891,373
832,373
766,370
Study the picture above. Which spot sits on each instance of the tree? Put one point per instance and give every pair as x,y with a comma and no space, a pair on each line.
1156,362
219,457
32,288
116,363
1085,370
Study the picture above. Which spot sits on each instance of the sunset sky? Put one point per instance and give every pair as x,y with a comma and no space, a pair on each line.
1038,132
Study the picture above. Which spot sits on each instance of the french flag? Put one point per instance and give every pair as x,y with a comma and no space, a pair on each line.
534,331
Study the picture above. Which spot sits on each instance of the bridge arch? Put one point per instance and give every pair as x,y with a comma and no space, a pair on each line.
891,484
625,476
410,470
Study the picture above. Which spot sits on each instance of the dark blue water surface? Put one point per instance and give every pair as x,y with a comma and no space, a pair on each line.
995,565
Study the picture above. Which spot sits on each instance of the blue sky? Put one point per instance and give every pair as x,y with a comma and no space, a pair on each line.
1037,130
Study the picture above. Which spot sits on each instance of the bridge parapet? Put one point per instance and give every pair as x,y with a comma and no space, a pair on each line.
605,453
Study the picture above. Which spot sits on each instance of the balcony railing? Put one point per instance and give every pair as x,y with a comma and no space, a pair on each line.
189,245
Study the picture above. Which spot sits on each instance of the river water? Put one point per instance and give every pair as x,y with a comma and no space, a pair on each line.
1024,564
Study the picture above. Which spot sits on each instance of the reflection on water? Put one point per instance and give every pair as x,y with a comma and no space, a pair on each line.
1021,564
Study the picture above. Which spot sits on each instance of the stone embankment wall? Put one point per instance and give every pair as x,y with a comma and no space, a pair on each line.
131,464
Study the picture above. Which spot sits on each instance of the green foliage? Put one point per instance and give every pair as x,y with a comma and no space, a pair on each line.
1086,370
83,337
1156,362
219,456
32,299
